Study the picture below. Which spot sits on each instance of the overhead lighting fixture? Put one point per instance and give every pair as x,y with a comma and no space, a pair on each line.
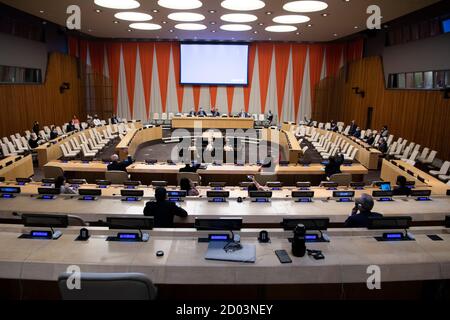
212,11
145,26
98,11
291,19
41,11
305,6
325,14
118,4
239,17
180,4
281,28
115,22
191,26
212,22
240,5
269,13
155,10
236,27
133,16
186,16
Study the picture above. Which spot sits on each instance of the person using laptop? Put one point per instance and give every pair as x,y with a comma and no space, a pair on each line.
163,211
362,212
60,183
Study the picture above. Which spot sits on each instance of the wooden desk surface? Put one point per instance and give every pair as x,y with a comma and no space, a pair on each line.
22,168
347,258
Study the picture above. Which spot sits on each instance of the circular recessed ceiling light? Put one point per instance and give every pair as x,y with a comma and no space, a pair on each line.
180,4
190,26
133,16
247,5
118,4
186,16
280,28
239,17
235,27
305,6
145,26
291,19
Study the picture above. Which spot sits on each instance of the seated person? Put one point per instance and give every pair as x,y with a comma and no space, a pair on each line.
188,186
115,165
371,139
97,122
60,183
33,142
357,133
189,168
382,146
333,166
215,112
334,126
201,112
70,127
192,113
162,210
243,114
364,205
270,117
401,189
384,132
114,120
53,133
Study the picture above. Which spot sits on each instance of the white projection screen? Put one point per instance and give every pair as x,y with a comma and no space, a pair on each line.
214,64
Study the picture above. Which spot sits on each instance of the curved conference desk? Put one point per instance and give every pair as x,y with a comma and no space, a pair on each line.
34,264
282,205
212,123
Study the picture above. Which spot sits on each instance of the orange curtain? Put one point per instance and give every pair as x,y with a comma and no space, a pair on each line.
213,95
83,47
196,90
129,59
251,67
334,55
97,53
146,53
176,65
265,53
355,50
315,64
72,45
230,95
298,62
114,64
163,60
282,53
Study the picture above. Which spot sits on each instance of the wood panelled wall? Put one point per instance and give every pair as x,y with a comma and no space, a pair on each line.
422,116
22,104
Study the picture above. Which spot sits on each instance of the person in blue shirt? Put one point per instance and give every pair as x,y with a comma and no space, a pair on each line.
364,206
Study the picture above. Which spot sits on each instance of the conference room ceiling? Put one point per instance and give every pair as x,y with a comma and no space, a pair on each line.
343,18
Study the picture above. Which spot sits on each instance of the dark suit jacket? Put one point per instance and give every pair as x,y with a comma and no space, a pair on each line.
202,113
353,128
119,166
216,114
402,191
163,213
360,220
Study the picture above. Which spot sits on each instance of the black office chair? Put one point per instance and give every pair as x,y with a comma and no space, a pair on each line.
109,286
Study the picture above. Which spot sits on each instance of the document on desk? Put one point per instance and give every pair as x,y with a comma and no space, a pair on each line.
216,252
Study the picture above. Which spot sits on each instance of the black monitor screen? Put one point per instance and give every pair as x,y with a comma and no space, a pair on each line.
303,184
217,184
177,194
224,224
319,224
379,194
159,183
132,193
90,192
141,223
132,183
343,194
302,194
420,193
9,189
389,223
45,220
260,194
103,182
49,190
218,194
